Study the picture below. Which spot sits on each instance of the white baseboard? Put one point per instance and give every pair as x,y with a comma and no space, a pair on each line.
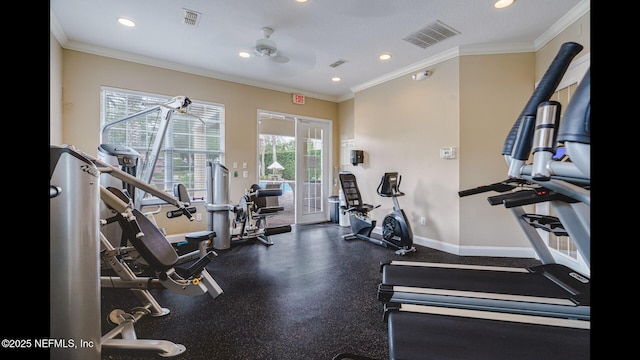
494,251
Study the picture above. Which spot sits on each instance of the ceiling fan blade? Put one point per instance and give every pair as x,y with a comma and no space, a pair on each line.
281,59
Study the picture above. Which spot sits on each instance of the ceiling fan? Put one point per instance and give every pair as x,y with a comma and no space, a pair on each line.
268,48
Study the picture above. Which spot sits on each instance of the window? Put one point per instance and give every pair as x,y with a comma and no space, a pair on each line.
192,137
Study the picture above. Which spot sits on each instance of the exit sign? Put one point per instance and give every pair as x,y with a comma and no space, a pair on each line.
298,99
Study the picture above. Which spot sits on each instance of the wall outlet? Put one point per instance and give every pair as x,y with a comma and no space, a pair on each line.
199,217
423,221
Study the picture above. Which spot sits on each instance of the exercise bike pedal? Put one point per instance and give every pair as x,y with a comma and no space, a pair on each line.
405,251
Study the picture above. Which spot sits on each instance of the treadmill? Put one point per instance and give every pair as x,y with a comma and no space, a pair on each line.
438,310
550,289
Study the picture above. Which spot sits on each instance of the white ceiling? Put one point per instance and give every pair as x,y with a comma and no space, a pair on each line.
312,35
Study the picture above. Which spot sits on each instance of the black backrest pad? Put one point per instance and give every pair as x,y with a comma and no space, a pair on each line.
350,189
154,247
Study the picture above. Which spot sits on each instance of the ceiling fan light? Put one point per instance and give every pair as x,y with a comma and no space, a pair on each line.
126,22
501,4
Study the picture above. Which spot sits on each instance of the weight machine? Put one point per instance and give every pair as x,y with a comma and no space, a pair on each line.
147,240
242,222
128,159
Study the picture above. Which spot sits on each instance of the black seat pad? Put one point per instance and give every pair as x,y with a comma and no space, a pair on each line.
154,247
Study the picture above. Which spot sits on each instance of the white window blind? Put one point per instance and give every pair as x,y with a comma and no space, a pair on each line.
192,137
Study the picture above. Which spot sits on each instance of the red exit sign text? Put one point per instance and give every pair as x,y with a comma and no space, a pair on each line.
298,99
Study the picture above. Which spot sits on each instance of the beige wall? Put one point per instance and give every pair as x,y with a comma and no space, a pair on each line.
494,92
55,91
346,116
468,103
401,126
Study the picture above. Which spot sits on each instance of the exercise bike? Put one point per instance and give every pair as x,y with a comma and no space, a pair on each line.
396,231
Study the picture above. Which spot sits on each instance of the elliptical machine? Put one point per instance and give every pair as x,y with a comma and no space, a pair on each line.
396,232
396,229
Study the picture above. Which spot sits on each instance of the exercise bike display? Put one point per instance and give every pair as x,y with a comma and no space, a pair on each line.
396,231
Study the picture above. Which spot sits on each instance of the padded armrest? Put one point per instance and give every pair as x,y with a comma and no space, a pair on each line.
364,208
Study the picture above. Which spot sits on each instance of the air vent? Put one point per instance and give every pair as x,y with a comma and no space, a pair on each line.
190,17
338,63
431,34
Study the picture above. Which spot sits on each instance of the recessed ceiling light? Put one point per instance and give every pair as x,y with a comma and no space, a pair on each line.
501,4
244,54
384,57
335,79
126,22
301,1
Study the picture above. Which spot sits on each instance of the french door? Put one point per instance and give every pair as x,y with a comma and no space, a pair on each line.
306,186
313,154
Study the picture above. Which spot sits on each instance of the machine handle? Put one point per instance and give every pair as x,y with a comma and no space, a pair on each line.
187,211
501,186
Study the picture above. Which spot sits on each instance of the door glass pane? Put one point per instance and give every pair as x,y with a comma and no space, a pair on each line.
313,194
276,164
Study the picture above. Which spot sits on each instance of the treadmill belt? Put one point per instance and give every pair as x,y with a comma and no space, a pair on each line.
515,282
424,336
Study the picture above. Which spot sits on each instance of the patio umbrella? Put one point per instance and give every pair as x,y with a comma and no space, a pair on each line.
275,166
